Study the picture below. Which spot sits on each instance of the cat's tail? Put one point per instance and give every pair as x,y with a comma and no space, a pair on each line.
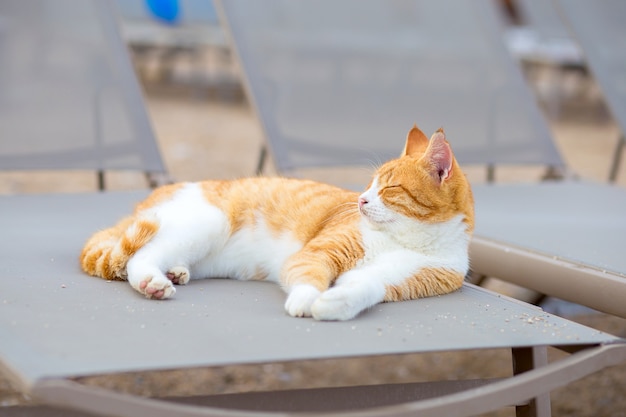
107,252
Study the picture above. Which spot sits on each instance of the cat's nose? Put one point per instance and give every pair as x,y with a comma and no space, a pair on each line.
362,201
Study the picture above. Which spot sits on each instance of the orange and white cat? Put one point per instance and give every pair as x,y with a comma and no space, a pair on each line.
335,252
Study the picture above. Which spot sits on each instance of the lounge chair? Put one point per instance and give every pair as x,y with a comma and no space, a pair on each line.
57,325
596,27
69,97
563,239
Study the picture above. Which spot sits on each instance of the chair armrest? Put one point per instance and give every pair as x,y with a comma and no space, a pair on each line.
601,290
511,391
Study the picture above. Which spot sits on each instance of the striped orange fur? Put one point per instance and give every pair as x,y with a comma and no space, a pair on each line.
107,252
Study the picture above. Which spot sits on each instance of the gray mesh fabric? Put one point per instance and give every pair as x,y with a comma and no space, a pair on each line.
69,97
599,28
341,82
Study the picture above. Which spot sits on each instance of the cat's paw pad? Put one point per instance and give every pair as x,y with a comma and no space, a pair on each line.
156,288
178,275
335,304
299,301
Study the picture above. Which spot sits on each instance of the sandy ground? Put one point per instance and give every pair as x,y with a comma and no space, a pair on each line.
206,131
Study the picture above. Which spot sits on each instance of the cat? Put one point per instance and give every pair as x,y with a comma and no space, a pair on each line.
334,252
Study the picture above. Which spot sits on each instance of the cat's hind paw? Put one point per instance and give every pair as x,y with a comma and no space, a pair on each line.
300,299
178,275
155,288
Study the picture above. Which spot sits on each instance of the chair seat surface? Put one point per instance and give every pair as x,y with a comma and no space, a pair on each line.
55,321
581,222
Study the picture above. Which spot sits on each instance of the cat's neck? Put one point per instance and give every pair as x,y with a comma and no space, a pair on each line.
427,238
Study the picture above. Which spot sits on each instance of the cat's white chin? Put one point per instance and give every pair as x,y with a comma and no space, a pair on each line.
378,215
378,223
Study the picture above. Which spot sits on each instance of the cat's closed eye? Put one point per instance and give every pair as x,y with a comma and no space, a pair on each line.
392,188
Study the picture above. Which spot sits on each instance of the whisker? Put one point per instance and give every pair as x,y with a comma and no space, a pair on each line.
369,170
344,211
374,164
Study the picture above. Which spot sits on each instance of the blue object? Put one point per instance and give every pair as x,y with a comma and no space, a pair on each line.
165,10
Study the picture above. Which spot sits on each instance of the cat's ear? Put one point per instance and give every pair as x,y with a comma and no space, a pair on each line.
439,156
416,142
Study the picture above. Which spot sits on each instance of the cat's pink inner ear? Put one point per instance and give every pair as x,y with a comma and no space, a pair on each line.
440,156
416,142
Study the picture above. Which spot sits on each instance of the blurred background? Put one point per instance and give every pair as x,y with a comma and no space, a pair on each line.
206,128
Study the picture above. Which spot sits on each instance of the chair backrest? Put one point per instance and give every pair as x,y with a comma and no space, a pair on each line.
599,28
69,97
340,82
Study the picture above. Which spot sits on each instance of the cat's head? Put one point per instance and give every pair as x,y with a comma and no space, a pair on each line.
424,184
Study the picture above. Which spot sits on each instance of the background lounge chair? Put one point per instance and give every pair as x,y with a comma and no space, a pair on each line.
335,83
598,28
70,99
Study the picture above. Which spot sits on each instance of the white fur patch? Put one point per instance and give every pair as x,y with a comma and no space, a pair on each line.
189,228
196,235
253,252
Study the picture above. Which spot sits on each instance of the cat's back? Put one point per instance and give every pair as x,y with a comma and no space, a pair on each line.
301,206
275,190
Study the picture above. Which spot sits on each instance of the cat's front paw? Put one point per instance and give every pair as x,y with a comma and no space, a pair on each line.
299,301
157,288
335,304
